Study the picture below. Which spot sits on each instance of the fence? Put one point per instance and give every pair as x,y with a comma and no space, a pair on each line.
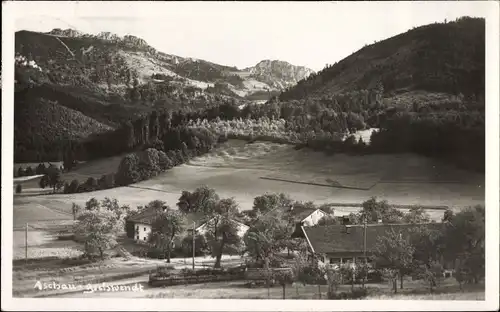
180,279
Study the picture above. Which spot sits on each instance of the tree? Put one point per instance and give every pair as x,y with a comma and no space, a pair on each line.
267,238
73,186
40,169
99,224
166,226
416,215
203,199
44,181
464,239
200,245
75,209
54,177
20,172
29,171
394,254
98,228
128,170
92,204
267,202
427,244
222,231
328,220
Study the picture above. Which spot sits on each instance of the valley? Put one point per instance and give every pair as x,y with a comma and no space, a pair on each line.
236,170
129,160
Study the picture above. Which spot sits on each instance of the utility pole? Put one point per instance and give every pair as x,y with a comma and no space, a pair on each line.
26,243
194,242
364,251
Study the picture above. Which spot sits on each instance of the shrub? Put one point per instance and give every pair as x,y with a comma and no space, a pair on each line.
106,181
73,186
20,172
44,181
29,172
66,237
163,161
128,170
40,169
356,293
90,185
19,188
66,188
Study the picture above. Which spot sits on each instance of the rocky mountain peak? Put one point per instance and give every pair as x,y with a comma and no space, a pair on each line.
279,74
65,32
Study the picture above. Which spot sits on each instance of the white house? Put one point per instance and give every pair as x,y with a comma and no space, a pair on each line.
142,222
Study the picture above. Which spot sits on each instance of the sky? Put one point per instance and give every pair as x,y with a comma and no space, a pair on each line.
241,34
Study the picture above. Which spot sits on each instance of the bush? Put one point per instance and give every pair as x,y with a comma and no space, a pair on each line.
44,181
356,293
128,170
76,261
19,188
163,161
106,181
66,237
73,186
29,172
41,169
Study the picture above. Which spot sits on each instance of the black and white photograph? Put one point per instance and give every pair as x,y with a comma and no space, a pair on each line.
256,156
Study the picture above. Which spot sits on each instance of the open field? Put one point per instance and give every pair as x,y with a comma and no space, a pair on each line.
237,169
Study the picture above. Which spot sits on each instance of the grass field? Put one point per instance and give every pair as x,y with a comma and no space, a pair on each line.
449,290
236,170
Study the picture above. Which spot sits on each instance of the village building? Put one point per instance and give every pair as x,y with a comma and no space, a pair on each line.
139,226
338,244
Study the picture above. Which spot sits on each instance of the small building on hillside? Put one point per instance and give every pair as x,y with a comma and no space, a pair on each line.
139,226
337,244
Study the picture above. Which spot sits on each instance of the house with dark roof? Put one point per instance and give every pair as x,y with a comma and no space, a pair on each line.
337,244
139,226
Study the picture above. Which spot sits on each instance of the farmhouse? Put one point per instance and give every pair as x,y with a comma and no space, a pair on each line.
139,226
337,244
342,209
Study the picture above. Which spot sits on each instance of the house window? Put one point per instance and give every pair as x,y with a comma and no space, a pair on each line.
144,237
137,237
144,229
137,228
334,260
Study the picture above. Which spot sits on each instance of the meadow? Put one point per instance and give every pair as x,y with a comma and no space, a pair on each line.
237,168
414,290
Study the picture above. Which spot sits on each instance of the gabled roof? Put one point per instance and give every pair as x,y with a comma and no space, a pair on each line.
300,213
335,238
145,216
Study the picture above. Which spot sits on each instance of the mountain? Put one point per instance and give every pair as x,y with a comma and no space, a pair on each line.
43,123
278,74
112,63
437,58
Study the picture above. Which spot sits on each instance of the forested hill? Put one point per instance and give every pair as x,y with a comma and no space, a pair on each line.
441,57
